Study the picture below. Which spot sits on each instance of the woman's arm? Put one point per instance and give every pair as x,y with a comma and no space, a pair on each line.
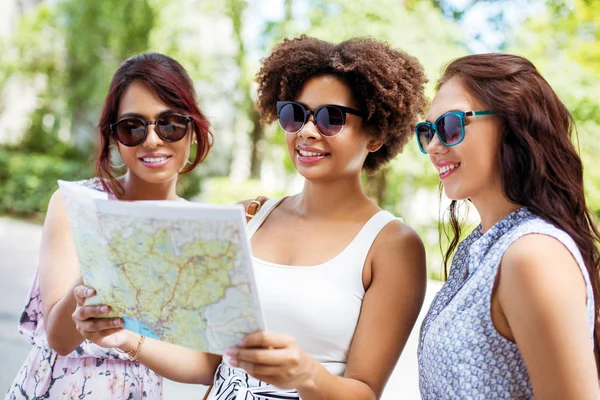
390,308
168,360
542,295
174,362
58,271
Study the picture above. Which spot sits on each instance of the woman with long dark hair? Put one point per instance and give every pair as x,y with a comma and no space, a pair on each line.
517,314
151,118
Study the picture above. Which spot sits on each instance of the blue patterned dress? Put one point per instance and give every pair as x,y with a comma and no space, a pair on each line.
461,355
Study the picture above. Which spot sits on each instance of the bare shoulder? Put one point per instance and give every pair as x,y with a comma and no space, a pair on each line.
535,254
399,248
538,263
396,236
56,226
56,206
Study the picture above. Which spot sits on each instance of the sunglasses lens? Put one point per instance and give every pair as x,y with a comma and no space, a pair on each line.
291,118
424,135
172,128
330,121
451,129
131,132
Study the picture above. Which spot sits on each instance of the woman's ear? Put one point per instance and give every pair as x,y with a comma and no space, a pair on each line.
374,146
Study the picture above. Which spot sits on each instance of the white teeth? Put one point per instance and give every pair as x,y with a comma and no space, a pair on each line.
309,154
447,168
154,159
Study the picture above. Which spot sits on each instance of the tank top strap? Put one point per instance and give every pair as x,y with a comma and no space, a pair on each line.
360,246
261,216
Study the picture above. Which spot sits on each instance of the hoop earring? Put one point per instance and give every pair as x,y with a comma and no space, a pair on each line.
192,143
119,166
110,157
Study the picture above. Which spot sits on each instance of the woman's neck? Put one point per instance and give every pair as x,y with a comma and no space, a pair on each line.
331,199
135,188
493,207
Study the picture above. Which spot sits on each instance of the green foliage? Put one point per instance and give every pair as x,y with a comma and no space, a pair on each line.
27,180
221,190
188,185
42,135
37,55
400,26
99,36
183,40
573,28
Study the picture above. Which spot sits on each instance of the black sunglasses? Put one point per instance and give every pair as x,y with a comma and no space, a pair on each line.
450,128
132,131
329,118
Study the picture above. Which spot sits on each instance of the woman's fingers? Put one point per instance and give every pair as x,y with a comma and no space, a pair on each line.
86,312
81,293
260,356
265,339
86,319
259,371
99,324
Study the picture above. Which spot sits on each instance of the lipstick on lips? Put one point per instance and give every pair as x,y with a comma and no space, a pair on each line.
446,168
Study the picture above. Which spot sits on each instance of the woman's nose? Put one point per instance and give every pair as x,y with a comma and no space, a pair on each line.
152,138
309,130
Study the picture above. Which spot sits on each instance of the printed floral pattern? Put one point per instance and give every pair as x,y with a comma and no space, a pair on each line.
461,355
90,372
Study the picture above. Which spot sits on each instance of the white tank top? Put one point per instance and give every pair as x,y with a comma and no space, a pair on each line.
318,305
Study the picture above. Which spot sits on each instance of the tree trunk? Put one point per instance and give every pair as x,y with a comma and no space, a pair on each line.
376,185
256,136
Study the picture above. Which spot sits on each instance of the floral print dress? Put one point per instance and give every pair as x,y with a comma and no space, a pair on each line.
89,372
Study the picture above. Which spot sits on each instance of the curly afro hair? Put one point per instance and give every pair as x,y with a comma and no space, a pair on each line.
387,84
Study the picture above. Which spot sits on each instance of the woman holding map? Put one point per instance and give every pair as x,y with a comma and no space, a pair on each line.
341,281
150,117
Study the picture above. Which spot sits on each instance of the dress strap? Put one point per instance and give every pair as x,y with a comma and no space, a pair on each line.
361,244
260,217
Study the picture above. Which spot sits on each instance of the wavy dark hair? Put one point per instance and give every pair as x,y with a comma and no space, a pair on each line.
540,167
387,84
170,82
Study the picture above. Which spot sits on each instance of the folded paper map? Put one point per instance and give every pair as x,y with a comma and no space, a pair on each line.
175,271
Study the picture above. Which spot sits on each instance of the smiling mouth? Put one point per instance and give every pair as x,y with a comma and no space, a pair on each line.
154,160
448,168
311,153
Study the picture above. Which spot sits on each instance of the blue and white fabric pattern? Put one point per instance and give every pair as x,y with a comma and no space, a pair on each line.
461,355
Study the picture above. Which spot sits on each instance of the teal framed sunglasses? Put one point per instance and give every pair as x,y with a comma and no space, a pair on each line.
450,128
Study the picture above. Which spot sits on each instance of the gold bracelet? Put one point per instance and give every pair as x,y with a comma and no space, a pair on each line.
138,350
127,352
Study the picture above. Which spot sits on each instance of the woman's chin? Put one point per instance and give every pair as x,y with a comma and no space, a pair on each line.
454,195
156,177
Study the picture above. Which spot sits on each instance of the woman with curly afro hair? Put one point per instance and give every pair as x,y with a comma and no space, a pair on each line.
341,281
